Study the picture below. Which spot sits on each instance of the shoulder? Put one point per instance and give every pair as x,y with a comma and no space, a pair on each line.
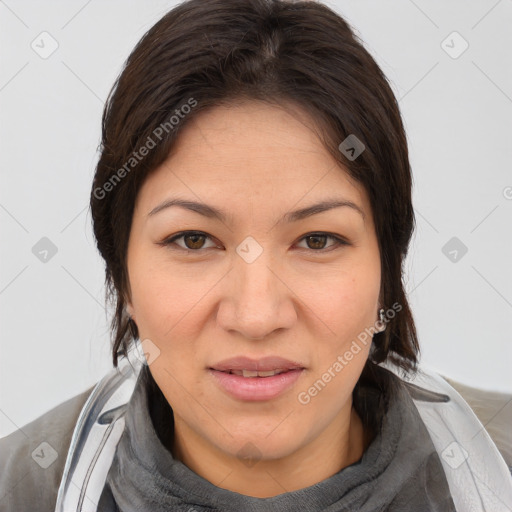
494,410
474,467
32,458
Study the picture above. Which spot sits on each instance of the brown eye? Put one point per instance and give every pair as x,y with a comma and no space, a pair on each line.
317,242
196,241
189,241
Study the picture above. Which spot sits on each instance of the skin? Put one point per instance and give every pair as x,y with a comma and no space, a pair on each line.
302,299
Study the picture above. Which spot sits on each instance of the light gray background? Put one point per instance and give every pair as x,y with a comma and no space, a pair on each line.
54,339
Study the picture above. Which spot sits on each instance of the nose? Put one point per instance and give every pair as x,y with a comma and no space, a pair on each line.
257,300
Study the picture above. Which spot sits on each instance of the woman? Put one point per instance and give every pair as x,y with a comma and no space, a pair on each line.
252,202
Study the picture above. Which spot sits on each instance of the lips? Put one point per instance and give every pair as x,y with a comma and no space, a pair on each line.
256,379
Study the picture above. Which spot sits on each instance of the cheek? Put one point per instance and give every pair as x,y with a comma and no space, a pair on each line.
348,308
346,305
165,297
347,300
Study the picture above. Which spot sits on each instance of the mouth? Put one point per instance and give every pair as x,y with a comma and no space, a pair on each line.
256,380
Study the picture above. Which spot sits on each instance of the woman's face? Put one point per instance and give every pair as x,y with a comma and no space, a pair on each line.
254,283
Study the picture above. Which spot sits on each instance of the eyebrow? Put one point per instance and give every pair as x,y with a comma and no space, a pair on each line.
214,213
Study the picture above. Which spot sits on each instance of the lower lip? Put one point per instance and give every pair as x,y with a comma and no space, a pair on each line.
255,388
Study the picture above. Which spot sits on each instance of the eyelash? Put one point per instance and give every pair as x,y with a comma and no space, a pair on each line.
339,242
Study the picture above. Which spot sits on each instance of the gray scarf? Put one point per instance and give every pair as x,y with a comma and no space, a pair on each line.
399,472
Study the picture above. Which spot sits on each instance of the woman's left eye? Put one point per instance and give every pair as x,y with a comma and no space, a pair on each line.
319,240
194,241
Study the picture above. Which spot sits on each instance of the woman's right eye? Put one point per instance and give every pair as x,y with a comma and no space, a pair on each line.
193,240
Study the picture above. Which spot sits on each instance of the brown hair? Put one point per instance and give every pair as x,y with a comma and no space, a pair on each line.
208,52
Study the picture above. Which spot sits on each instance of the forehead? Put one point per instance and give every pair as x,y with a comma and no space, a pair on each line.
251,153
251,131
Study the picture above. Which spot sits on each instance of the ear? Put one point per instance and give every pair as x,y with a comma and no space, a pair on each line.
130,311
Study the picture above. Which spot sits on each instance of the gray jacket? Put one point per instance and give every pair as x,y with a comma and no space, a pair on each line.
32,458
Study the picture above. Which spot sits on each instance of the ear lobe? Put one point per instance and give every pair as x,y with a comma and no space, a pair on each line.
129,309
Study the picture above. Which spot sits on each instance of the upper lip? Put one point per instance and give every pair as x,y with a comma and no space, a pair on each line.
264,364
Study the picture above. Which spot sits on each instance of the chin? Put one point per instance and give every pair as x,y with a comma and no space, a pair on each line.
253,445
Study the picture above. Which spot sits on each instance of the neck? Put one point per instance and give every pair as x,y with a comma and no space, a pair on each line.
341,444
